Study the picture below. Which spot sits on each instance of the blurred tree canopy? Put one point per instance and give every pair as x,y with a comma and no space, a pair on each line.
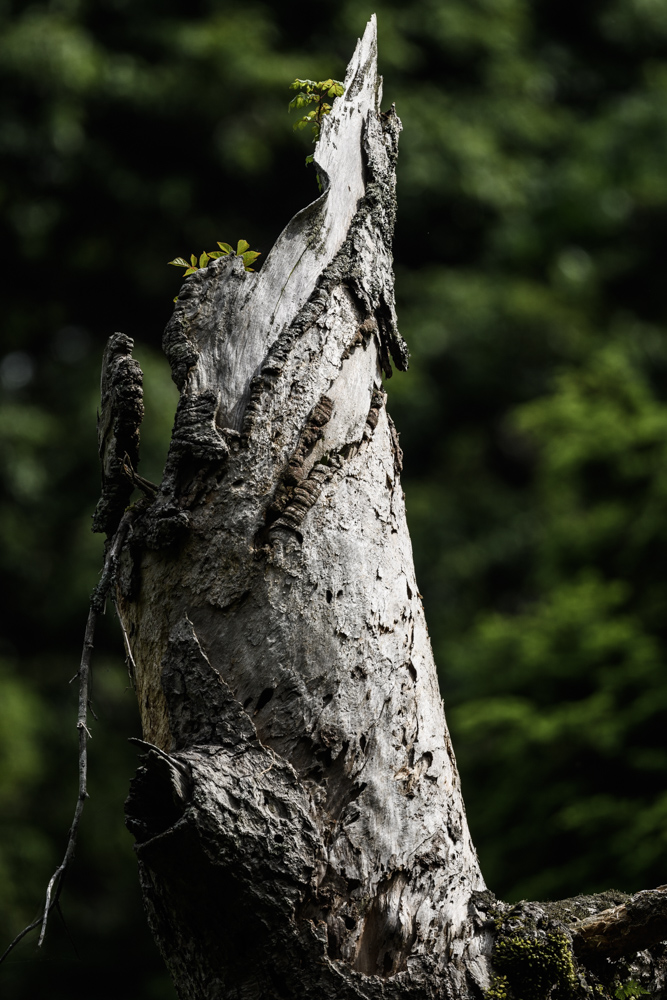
532,218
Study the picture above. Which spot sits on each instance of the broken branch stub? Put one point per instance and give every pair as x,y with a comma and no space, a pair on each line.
118,421
623,930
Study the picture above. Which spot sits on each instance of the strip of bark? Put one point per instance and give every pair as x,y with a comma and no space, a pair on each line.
625,929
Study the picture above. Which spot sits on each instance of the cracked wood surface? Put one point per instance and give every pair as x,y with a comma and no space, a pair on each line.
270,599
299,821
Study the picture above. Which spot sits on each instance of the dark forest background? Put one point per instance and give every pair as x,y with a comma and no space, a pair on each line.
529,253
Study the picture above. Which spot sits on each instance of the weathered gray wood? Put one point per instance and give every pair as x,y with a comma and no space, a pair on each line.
300,826
271,597
118,421
622,930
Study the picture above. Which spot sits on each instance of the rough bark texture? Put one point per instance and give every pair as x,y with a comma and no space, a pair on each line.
118,421
300,827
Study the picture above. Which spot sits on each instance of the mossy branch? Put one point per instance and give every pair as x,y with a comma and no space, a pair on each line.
623,930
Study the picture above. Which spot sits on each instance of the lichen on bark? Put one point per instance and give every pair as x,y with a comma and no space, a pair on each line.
541,949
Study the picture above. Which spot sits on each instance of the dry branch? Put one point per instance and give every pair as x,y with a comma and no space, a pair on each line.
626,929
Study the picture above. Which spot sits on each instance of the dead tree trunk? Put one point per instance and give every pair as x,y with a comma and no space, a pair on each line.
299,823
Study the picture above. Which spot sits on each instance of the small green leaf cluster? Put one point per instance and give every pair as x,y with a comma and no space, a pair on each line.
242,250
499,989
313,92
630,990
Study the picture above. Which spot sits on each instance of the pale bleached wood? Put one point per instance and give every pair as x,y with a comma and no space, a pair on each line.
300,827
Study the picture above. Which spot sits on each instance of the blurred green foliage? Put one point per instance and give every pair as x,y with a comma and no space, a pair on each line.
532,179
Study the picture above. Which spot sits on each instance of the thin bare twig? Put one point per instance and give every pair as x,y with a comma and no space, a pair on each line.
129,659
271,765
84,735
165,756
97,603
145,485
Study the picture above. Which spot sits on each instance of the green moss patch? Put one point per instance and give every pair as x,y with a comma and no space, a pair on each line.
534,968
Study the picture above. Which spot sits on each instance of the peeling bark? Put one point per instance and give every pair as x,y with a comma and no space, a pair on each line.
299,821
635,924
